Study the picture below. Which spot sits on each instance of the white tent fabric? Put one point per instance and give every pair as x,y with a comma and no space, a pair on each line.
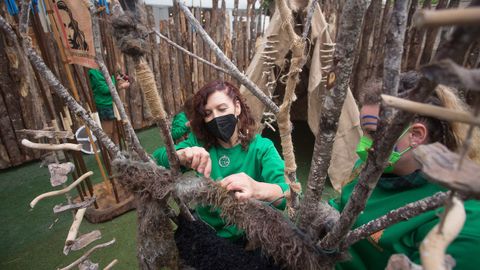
349,132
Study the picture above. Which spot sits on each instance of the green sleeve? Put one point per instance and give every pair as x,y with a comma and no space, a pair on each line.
98,83
178,126
273,169
161,157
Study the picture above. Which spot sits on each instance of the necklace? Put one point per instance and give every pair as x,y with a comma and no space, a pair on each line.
224,161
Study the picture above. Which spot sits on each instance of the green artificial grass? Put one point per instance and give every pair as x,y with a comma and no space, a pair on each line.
30,241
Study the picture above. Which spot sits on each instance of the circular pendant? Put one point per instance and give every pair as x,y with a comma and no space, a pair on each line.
224,161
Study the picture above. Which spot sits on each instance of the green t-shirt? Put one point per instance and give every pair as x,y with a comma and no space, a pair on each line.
101,93
178,126
260,161
406,236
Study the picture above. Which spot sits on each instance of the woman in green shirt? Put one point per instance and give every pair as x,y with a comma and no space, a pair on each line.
225,148
403,183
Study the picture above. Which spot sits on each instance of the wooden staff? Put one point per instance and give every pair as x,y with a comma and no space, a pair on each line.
447,17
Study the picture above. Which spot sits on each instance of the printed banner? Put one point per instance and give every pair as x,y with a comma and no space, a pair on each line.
72,19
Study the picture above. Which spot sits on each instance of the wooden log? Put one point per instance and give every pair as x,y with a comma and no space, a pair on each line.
199,51
61,191
166,83
4,159
183,80
440,165
361,69
47,146
235,34
175,75
85,256
83,204
447,17
379,49
135,97
72,233
85,239
10,115
430,38
206,50
51,134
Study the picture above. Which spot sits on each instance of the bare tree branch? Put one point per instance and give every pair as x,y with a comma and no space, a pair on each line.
384,141
406,212
339,77
166,39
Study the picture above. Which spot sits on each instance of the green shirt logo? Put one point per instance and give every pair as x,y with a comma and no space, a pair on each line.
223,161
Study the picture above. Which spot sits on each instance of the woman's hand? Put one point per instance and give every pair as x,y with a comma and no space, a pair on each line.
196,158
242,184
245,188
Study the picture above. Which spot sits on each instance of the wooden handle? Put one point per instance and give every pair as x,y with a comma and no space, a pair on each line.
435,18
431,110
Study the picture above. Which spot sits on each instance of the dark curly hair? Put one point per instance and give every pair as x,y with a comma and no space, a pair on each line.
246,124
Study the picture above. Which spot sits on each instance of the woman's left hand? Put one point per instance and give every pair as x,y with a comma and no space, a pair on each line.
242,184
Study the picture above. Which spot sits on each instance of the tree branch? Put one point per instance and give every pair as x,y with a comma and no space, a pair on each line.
85,256
233,70
384,141
449,73
166,39
339,77
400,214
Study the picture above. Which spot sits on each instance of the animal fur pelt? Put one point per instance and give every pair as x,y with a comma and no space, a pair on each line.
263,225
201,248
151,185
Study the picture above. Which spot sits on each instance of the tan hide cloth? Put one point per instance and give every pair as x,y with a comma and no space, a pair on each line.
349,132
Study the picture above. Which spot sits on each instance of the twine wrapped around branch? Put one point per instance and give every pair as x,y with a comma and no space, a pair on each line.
146,80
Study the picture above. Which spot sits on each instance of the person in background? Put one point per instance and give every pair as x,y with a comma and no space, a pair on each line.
402,182
103,100
180,123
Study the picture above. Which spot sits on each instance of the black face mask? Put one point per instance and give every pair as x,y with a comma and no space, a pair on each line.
223,126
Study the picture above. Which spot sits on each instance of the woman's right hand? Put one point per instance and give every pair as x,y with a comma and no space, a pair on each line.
196,158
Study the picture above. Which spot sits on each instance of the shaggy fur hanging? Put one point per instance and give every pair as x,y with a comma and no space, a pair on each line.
201,248
151,185
130,35
263,225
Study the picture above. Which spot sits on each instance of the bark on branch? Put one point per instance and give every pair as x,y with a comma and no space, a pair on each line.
385,140
400,214
349,33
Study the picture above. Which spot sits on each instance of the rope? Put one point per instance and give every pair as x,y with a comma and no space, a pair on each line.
146,81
